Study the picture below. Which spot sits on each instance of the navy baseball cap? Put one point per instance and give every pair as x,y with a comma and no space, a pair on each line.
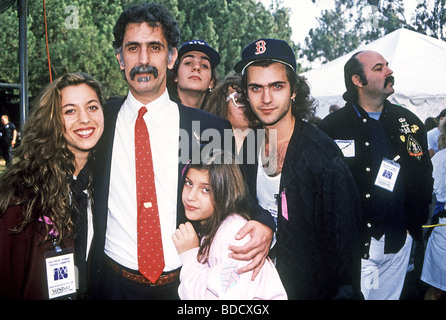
266,49
200,46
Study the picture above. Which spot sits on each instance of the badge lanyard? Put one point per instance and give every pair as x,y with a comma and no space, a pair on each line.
387,174
60,272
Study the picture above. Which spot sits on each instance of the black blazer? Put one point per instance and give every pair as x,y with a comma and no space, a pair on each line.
102,167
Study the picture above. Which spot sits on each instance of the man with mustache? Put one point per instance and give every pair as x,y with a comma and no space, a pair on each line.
143,137
143,69
385,147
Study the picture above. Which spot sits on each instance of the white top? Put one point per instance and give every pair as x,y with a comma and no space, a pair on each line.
162,120
267,188
219,279
439,174
432,138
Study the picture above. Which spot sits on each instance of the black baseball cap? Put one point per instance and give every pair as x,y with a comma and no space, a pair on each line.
266,49
200,46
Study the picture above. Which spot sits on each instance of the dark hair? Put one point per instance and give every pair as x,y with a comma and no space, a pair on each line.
39,179
351,68
217,103
228,191
303,106
152,14
217,99
442,114
172,85
442,138
430,123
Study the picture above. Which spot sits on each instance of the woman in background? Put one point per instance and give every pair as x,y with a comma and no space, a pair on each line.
225,102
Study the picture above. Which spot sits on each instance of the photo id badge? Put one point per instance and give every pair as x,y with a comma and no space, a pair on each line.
387,174
60,273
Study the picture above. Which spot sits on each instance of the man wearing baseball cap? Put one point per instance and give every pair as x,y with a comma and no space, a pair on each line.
299,178
194,75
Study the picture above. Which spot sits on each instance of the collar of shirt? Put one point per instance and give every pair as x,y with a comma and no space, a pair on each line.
156,110
361,113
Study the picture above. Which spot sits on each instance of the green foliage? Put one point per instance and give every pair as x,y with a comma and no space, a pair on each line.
354,22
80,35
431,19
230,25
80,32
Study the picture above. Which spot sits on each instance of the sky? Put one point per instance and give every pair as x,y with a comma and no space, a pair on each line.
304,14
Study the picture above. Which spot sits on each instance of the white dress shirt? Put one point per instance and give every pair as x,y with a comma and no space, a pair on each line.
162,120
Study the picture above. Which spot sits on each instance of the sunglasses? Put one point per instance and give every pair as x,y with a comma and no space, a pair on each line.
235,96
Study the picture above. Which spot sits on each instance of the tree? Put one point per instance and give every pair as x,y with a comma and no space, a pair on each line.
79,39
351,23
80,35
333,37
431,20
230,25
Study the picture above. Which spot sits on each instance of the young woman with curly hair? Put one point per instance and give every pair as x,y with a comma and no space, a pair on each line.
44,194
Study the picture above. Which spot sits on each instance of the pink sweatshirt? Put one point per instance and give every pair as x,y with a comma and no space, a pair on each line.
218,278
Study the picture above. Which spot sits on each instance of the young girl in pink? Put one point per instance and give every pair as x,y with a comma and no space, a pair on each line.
214,198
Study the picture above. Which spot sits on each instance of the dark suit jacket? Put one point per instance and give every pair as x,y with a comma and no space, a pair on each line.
189,120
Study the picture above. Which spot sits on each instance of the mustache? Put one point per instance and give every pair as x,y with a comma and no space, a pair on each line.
389,79
141,69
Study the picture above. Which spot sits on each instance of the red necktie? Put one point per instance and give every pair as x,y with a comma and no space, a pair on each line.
150,246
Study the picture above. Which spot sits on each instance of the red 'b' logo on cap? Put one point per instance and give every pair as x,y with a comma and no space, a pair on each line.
260,47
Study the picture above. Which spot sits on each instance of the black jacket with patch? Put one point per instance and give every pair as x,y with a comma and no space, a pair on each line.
414,185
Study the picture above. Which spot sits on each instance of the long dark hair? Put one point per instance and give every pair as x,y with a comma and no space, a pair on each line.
172,84
39,178
217,103
303,106
229,195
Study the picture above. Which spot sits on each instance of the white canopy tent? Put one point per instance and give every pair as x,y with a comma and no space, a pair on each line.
419,67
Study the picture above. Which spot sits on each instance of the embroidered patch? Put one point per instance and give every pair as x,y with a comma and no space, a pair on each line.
405,128
414,148
260,47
